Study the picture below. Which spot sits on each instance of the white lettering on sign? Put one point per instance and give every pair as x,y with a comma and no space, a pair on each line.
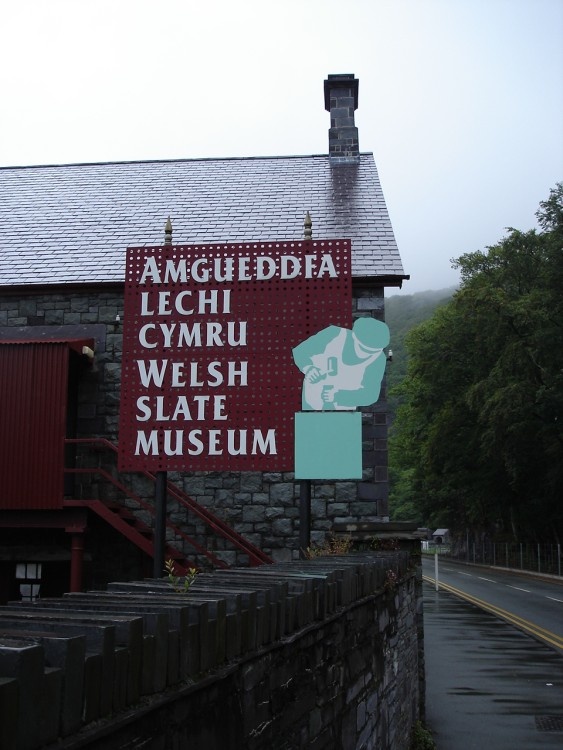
179,335
213,442
197,408
209,302
192,374
246,268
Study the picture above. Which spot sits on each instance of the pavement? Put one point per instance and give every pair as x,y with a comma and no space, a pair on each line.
488,685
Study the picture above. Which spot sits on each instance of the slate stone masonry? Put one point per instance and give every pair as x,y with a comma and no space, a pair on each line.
318,654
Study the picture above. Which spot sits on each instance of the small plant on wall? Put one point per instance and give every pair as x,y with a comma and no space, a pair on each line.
180,584
421,738
332,545
391,580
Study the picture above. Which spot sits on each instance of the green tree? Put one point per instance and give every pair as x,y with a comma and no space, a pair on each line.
479,437
402,313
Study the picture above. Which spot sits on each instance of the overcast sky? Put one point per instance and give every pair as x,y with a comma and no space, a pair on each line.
461,101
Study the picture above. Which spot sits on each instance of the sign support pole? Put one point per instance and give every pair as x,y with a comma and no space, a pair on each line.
304,517
305,484
160,523
160,493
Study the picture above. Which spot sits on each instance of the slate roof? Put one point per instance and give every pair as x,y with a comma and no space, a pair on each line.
71,224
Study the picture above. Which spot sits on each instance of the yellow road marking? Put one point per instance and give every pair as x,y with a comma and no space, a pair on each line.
529,627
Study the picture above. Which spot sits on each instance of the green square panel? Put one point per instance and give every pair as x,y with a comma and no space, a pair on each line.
328,445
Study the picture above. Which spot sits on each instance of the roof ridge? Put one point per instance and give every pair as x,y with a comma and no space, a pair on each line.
171,161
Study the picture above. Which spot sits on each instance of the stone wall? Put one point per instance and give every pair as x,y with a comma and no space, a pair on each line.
262,507
319,654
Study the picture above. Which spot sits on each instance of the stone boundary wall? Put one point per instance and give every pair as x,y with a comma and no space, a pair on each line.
263,507
322,653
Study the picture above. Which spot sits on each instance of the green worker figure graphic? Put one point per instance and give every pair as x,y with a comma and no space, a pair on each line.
343,368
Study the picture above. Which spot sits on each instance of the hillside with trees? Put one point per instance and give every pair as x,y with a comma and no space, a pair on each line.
402,313
478,441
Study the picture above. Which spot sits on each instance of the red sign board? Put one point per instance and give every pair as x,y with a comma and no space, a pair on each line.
208,379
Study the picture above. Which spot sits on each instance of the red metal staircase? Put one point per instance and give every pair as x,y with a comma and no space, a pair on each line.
124,520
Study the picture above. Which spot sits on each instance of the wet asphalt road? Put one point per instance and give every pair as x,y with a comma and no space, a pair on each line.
536,604
488,685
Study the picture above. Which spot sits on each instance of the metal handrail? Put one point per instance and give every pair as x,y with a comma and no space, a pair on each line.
147,506
256,556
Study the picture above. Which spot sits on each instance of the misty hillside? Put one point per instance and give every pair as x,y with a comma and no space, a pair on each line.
403,312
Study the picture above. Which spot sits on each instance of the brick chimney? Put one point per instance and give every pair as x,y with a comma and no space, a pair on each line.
341,100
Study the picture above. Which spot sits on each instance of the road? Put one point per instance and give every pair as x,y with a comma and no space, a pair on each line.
532,604
489,685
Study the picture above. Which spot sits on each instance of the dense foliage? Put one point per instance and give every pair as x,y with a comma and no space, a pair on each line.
478,440
402,313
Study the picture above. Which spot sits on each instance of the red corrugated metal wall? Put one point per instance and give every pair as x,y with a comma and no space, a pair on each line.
33,403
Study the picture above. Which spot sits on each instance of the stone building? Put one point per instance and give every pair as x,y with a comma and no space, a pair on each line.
64,229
